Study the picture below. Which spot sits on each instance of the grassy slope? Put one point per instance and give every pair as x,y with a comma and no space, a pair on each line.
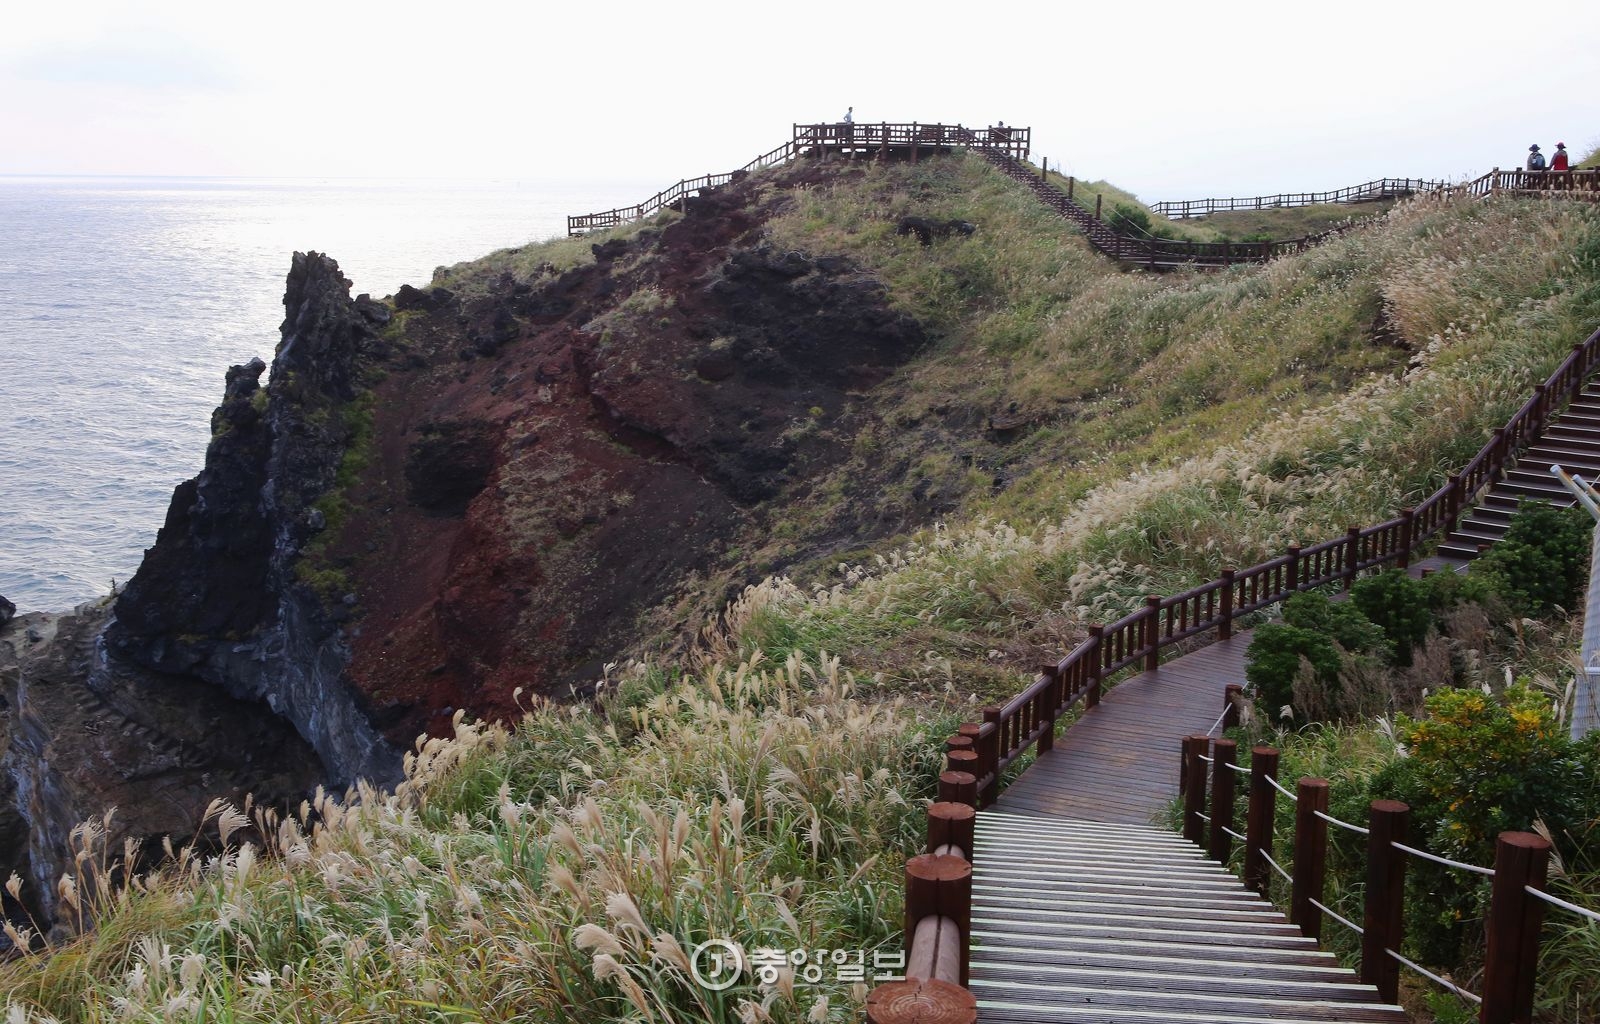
1177,424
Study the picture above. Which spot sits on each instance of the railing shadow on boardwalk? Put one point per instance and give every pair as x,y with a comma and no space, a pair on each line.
939,883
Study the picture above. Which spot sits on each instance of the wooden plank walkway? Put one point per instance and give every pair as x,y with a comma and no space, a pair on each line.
1119,761
1089,923
1085,912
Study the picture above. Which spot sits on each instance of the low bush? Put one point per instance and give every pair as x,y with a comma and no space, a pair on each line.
1542,562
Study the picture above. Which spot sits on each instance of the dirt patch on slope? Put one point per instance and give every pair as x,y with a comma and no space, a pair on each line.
567,462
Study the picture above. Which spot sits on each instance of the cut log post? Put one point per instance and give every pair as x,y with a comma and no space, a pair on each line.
1152,632
1194,788
958,787
951,824
962,761
1310,856
921,1002
1520,860
1259,819
1383,918
1224,755
939,886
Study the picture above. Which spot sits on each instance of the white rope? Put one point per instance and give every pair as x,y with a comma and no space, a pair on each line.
1442,860
1558,901
1236,766
1335,915
1208,760
1203,817
1450,985
1220,719
1330,819
1279,787
1274,864
1234,834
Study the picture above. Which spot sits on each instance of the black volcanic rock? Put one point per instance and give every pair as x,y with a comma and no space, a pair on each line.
218,596
7,610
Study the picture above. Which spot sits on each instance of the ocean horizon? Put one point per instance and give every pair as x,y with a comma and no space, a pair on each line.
124,299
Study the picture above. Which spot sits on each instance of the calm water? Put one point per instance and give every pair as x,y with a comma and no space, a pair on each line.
123,301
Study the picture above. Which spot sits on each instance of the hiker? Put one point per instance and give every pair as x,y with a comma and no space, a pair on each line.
1535,158
1558,162
847,118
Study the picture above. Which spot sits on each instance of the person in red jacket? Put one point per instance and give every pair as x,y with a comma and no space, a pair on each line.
1558,162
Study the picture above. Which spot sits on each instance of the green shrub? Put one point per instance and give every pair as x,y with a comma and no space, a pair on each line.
1542,563
1341,621
1398,605
1273,661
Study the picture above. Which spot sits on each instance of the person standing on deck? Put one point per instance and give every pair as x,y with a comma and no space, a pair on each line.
1558,162
1535,158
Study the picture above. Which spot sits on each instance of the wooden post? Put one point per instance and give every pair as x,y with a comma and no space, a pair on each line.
957,742
1097,662
1232,694
958,788
1259,819
1520,860
1152,632
1310,855
951,824
962,761
1071,181
916,1001
1194,788
1225,614
1097,198
1052,700
1294,569
989,763
1224,754
1408,530
939,886
1352,555
1383,920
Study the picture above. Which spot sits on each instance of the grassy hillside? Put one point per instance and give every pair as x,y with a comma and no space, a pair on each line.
1093,436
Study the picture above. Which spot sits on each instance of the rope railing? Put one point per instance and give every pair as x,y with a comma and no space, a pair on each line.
1516,899
1444,983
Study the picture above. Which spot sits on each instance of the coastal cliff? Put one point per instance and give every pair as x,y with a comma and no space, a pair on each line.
454,500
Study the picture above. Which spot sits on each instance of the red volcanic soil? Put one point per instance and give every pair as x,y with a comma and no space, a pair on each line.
560,463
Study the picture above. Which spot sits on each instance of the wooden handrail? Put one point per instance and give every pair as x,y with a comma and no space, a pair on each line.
808,139
1031,716
1379,188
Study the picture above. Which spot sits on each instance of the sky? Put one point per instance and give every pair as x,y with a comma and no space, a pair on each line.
1168,100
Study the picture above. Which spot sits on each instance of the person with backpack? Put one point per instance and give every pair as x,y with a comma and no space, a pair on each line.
1535,158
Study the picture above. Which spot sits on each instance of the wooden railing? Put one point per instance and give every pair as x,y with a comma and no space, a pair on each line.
1581,183
815,139
674,194
1381,188
1206,613
1517,900
977,757
909,138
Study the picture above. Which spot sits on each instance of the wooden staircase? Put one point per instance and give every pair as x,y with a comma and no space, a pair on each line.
1079,922
1572,441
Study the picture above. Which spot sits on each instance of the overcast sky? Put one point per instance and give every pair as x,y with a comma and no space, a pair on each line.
1171,101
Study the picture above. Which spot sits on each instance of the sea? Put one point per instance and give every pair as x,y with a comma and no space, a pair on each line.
123,301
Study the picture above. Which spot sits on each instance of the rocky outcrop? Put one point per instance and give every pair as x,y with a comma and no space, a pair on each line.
81,734
222,596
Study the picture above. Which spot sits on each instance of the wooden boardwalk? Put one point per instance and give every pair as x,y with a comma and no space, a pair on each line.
1084,923
1086,912
1119,761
